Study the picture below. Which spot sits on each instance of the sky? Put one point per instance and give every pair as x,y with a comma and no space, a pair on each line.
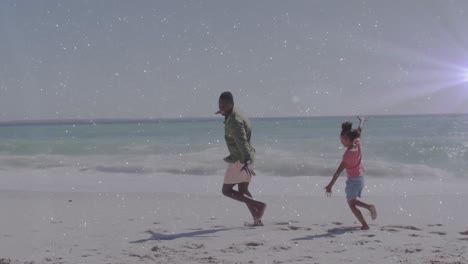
172,59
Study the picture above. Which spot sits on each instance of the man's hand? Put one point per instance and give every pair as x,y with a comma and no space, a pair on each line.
247,169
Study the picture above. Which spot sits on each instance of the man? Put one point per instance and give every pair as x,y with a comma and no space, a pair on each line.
237,133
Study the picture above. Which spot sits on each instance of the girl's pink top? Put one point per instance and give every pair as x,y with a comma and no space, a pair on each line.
352,159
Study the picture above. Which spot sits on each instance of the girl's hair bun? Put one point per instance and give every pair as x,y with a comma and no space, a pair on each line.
346,126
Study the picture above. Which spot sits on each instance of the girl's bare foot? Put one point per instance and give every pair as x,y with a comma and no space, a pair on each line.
365,227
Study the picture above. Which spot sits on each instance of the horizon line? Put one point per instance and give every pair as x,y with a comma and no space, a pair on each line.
94,121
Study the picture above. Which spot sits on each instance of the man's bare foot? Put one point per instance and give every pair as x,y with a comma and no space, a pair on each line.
258,210
256,222
373,212
261,210
365,227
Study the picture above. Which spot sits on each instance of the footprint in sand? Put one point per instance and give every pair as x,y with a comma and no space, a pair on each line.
412,251
394,227
389,229
280,248
195,229
155,248
54,260
5,261
342,230
141,257
193,246
299,228
233,249
287,223
407,227
337,223
209,260
289,226
438,233
414,235
254,244
339,251
465,233
282,223
219,226
361,243
435,225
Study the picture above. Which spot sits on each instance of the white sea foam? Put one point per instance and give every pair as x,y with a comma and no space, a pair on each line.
209,162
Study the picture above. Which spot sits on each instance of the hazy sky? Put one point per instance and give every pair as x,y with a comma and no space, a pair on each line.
160,59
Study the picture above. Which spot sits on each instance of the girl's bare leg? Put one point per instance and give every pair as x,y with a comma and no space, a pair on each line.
369,207
358,214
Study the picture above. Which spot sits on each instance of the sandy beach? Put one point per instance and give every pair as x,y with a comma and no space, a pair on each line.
76,221
120,119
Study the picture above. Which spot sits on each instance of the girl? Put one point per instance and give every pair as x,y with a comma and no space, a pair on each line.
350,138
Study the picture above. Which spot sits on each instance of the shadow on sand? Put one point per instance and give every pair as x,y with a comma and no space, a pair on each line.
200,233
330,233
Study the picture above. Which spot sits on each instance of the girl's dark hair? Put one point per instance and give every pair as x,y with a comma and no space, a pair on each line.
348,131
345,127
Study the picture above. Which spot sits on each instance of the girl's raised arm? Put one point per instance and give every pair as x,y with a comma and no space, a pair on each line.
361,122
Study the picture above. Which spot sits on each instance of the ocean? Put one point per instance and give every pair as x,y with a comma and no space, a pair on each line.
413,147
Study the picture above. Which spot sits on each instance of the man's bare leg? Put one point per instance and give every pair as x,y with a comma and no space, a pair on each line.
255,207
259,209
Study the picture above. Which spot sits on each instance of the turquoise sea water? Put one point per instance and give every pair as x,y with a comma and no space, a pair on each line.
393,146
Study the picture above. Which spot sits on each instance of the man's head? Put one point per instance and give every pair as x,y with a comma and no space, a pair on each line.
226,103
